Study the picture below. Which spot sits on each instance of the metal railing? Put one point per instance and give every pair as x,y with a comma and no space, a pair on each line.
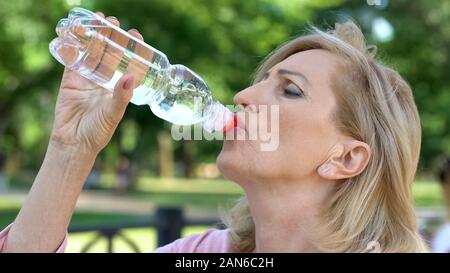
168,222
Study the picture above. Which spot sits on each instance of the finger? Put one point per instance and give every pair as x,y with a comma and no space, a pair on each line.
135,33
123,92
137,67
96,45
113,20
109,60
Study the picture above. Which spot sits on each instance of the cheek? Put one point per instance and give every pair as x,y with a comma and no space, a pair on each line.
304,140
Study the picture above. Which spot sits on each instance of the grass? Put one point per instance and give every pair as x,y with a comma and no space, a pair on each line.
203,186
191,192
204,192
427,194
79,218
183,199
144,238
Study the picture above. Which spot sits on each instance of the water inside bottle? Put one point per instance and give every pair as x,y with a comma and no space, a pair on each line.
185,102
103,52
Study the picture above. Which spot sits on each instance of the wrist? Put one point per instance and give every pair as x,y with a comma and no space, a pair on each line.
42,222
69,150
67,164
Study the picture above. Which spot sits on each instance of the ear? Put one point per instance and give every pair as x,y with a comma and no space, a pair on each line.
348,161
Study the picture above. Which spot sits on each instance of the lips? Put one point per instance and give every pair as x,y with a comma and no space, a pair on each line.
236,129
231,124
230,127
240,122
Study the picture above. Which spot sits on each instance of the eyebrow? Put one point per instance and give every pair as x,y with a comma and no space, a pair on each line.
290,72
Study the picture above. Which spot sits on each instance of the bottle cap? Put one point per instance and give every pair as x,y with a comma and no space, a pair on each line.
231,123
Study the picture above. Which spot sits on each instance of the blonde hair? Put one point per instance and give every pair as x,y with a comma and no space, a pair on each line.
376,106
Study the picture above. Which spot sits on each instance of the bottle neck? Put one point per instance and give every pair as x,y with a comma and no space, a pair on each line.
218,117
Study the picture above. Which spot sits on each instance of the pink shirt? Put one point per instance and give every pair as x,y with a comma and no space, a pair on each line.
211,241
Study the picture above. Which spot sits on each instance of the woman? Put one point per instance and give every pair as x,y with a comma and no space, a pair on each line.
441,240
339,181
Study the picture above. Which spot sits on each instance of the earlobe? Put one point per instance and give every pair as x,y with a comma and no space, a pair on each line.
324,169
328,171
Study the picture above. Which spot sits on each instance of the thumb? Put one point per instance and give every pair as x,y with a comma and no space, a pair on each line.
123,91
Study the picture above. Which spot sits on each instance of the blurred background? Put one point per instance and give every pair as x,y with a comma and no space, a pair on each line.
146,188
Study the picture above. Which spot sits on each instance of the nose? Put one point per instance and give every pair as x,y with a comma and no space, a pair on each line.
246,97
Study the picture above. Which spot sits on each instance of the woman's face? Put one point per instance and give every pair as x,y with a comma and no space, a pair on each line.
300,87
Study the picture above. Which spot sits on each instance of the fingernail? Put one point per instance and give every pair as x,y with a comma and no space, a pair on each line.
113,17
128,83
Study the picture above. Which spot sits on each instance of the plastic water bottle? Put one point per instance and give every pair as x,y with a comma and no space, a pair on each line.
102,52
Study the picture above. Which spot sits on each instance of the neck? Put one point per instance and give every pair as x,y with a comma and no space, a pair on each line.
287,216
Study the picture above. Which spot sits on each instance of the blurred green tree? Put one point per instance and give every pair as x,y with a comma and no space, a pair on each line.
420,50
221,40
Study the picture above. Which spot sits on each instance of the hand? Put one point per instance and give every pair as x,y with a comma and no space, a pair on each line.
86,114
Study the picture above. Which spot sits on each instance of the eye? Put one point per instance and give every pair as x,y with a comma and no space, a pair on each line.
293,91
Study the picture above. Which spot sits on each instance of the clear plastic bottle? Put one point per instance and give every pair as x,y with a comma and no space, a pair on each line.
102,52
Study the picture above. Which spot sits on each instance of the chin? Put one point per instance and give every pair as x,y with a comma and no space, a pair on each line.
229,161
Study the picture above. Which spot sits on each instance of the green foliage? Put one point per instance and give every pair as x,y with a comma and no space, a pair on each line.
420,51
221,40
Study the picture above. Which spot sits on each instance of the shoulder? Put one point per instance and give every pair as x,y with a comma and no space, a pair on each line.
211,241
